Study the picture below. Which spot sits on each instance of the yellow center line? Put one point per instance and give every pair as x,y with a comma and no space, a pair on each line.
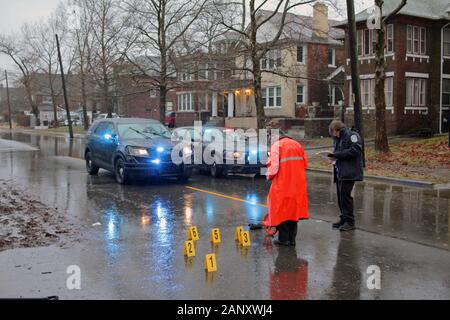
227,197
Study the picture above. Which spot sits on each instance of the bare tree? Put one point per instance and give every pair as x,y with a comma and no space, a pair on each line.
381,139
44,47
82,41
162,26
252,27
25,60
111,39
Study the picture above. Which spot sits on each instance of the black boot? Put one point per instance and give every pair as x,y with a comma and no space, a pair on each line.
347,227
281,243
338,224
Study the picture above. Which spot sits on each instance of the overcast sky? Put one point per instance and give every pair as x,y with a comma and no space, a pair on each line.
13,13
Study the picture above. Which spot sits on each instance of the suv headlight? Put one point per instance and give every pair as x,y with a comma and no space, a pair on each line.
138,152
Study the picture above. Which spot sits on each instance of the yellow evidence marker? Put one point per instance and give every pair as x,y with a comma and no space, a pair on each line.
193,234
238,234
210,263
245,239
189,248
215,236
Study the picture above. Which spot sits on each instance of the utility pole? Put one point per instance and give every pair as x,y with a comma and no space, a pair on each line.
66,101
354,70
9,102
354,66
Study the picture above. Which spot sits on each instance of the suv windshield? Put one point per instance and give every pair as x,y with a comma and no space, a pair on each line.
142,130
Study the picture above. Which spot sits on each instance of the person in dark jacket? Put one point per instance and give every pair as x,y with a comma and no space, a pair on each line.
348,168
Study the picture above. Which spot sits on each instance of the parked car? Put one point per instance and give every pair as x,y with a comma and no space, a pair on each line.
75,121
170,119
131,147
241,158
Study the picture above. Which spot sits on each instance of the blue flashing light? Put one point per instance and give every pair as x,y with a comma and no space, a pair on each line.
107,136
156,161
160,149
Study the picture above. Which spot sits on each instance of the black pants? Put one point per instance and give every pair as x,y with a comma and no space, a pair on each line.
345,200
287,231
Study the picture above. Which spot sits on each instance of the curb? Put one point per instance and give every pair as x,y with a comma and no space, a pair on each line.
406,182
45,133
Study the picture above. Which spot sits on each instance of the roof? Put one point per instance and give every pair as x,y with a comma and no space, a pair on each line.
428,9
300,28
48,107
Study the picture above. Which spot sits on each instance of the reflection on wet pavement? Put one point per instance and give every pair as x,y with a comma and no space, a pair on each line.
137,251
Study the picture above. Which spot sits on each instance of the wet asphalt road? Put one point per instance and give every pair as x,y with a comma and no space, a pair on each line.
137,251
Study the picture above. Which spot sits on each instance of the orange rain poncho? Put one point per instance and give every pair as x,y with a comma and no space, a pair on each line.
286,167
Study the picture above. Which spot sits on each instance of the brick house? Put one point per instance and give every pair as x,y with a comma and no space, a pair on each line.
205,83
141,98
417,67
298,70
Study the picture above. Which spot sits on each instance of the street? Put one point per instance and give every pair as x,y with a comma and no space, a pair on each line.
132,241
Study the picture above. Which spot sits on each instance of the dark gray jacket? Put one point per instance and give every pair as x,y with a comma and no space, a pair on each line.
348,154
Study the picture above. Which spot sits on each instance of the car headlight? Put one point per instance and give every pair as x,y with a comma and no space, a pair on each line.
138,152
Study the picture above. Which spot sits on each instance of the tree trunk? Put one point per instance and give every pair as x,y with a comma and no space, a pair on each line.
257,88
84,98
34,108
52,93
381,140
162,102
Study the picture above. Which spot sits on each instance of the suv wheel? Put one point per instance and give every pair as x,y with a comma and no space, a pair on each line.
122,175
91,168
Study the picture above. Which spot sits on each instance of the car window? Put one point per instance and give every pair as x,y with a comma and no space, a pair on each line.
142,130
104,128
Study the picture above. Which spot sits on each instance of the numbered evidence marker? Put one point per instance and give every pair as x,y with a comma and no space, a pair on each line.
238,234
189,248
215,236
210,263
245,239
193,234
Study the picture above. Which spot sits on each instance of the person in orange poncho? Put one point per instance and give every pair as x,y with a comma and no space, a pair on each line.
288,198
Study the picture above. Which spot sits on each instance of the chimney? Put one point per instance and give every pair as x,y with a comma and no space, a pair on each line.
320,20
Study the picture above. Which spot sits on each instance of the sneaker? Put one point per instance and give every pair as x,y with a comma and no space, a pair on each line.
347,227
338,224
281,243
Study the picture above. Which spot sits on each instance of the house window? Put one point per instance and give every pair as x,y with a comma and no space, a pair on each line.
423,41
301,94
272,97
366,93
360,42
390,38
415,92
367,42
446,94
409,39
416,40
185,76
374,37
389,92
185,102
272,60
446,42
153,93
301,54
331,57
